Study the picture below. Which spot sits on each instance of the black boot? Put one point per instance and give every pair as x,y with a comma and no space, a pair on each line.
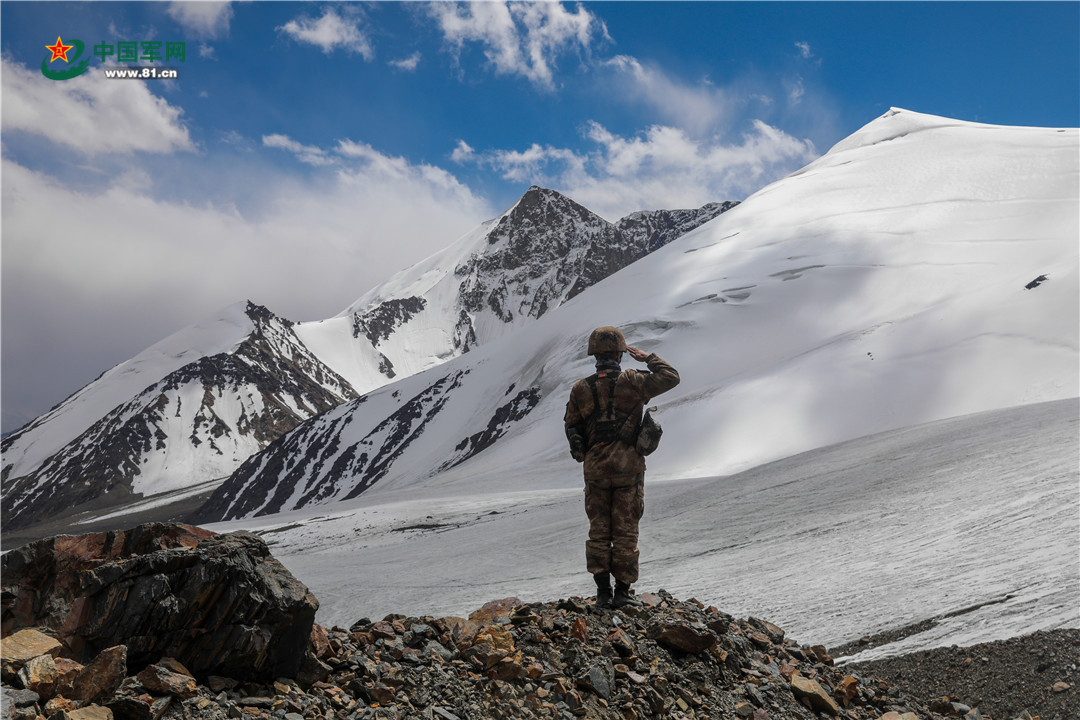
603,590
623,596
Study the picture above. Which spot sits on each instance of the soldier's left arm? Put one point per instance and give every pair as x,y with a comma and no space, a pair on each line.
574,425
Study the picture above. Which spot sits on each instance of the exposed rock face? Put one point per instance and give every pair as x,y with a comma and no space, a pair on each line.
379,322
264,483
219,604
548,249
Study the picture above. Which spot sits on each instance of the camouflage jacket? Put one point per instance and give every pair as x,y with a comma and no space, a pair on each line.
632,389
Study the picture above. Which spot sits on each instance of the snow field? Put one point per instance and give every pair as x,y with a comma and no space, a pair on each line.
843,541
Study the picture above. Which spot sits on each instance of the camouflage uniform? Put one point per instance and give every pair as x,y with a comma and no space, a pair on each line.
614,469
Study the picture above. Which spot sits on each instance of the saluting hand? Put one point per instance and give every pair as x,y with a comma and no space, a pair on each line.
638,355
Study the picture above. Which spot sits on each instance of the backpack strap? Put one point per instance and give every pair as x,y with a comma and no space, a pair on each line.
605,426
591,380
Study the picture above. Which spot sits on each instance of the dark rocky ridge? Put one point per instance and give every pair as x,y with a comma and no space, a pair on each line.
505,415
379,322
267,480
548,249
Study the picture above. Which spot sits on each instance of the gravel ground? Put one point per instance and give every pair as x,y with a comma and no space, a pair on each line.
1037,673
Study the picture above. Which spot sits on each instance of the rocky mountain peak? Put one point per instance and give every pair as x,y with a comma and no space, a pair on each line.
543,224
260,315
548,248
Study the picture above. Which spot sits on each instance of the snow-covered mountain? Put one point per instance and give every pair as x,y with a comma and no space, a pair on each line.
892,282
187,411
543,251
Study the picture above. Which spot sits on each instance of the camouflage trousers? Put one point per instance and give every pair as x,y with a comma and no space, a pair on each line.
614,506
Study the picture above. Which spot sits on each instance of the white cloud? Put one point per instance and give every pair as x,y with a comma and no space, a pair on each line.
698,109
360,158
519,38
408,64
371,163
209,20
806,53
463,153
796,90
91,114
207,51
330,31
530,164
233,137
305,153
113,270
663,167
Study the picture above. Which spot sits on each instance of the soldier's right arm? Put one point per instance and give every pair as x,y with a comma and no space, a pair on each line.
661,378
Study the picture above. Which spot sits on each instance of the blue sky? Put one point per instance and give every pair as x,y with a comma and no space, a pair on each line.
308,150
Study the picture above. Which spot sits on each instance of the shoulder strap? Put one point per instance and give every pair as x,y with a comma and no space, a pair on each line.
591,380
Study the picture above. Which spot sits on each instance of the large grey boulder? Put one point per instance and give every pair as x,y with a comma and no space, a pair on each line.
220,604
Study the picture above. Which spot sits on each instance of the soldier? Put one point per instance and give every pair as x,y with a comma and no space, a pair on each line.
602,420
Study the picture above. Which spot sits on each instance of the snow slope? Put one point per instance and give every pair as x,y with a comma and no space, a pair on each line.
973,517
882,286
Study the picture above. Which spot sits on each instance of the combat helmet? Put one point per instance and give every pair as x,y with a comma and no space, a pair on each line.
606,339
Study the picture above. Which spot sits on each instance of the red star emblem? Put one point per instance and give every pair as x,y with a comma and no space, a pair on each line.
59,50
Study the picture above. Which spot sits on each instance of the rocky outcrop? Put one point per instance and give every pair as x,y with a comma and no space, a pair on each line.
219,604
564,659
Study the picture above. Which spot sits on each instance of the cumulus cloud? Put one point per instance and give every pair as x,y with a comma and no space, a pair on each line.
332,30
206,20
664,167
522,39
112,270
354,157
91,114
408,64
463,153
